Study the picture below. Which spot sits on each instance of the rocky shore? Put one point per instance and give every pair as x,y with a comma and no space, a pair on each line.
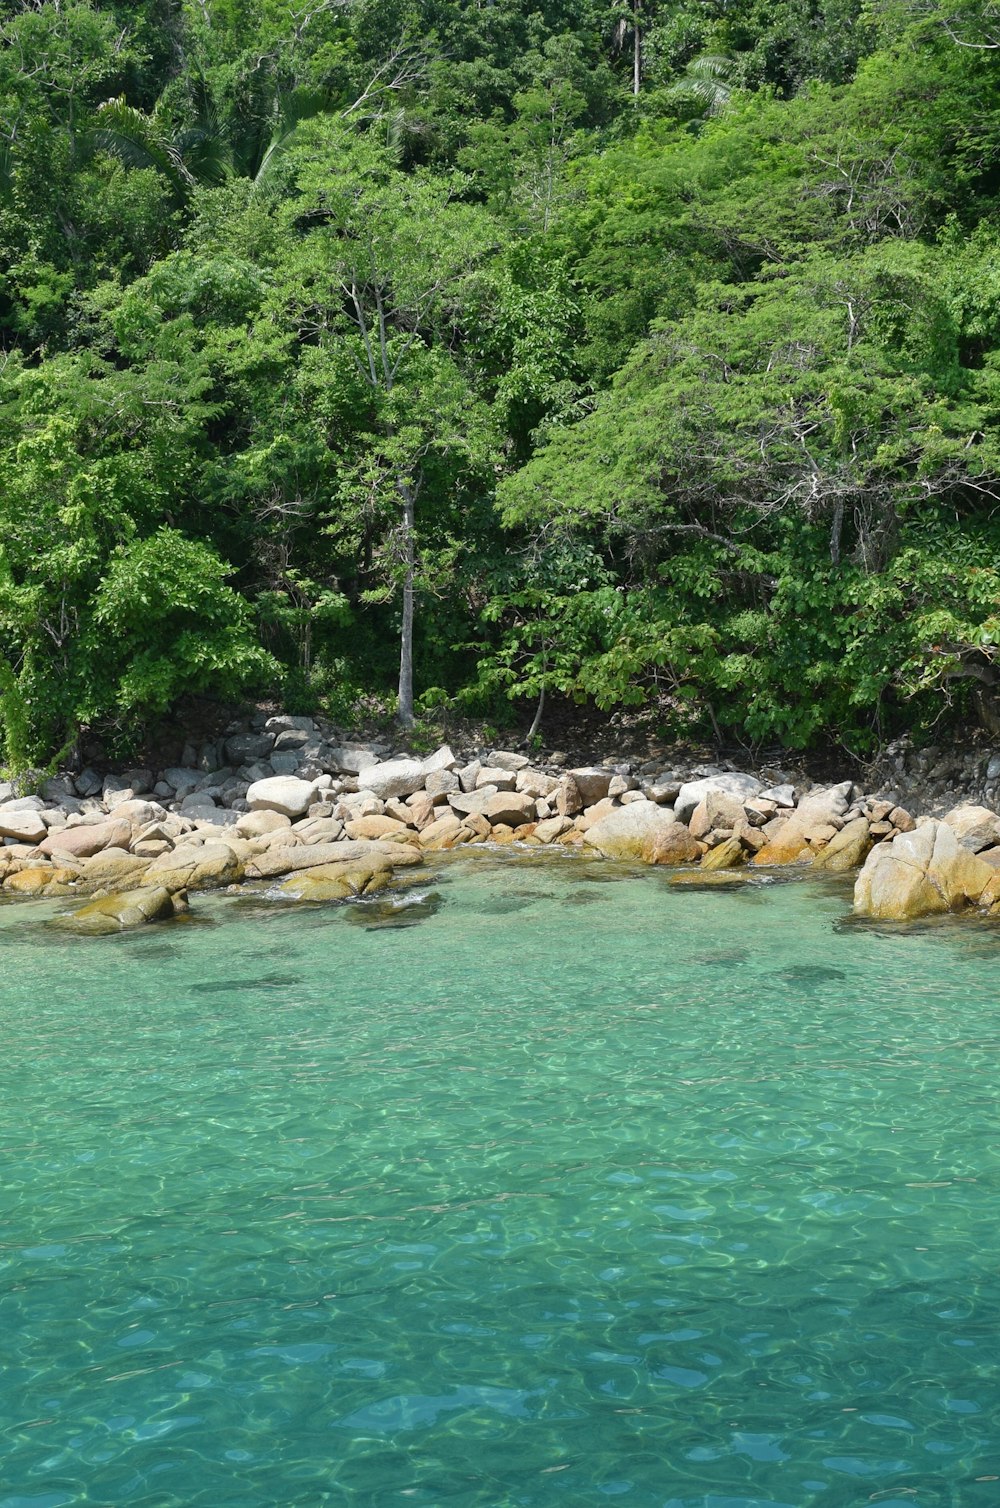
281,802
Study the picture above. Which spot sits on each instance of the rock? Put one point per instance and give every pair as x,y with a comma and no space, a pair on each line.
705,879
319,830
88,783
378,827
592,782
727,855
22,826
847,849
291,741
901,819
244,748
602,808
693,791
500,780
440,783
284,794
975,827
506,759
276,861
258,824
642,832
202,866
119,913
918,874
397,777
468,775
552,828
567,798
441,833
420,809
352,759
112,869
513,807
465,802
284,763
339,882
39,879
779,795
441,759
88,838
182,780
283,722
534,783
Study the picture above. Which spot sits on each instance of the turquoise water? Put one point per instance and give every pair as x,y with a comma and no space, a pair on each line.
577,1191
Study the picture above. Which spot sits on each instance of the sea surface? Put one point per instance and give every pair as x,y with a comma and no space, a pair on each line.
543,1185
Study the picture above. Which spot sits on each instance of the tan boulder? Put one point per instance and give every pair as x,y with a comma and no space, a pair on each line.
847,849
642,832
37,879
552,828
258,824
274,862
23,826
441,833
510,807
975,827
377,827
87,838
190,866
119,913
566,797
339,882
112,869
918,874
727,855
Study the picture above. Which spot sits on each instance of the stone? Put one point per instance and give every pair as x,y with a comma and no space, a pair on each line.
339,882
507,759
699,822
901,819
642,832
552,828
779,795
847,849
291,740
352,759
284,763
919,874
694,791
203,866
284,794
702,879
378,827
420,808
120,913
279,860
727,855
396,777
88,838
244,748
975,827
258,824
594,813
471,801
513,807
441,759
441,833
22,826
181,780
592,782
440,783
88,783
500,780
112,869
535,783
468,775
724,809
283,722
568,800
319,830
35,880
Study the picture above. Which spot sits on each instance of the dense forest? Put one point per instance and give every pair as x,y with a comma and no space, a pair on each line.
639,353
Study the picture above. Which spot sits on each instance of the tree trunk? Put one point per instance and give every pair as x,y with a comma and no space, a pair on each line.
537,723
404,713
636,47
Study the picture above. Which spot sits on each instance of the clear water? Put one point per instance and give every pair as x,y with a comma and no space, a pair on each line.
581,1190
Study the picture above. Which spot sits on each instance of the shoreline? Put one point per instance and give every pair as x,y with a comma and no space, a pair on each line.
328,821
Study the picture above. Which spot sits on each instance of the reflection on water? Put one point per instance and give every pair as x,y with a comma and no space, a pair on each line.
578,1187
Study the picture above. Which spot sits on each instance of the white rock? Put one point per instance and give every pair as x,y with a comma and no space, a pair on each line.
23,826
441,759
695,791
282,793
396,777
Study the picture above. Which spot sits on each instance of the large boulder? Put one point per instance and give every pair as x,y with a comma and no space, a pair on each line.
340,882
276,861
727,855
195,866
285,794
112,869
695,791
87,839
24,826
642,832
975,827
918,874
847,849
120,913
513,807
396,777
592,782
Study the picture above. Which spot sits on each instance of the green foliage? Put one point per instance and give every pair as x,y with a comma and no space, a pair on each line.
307,313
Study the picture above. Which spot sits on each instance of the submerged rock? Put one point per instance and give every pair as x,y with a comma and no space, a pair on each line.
120,913
339,882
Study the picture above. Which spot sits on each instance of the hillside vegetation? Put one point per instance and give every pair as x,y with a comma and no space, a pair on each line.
637,353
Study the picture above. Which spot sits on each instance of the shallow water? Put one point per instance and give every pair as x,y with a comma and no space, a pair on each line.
568,1193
